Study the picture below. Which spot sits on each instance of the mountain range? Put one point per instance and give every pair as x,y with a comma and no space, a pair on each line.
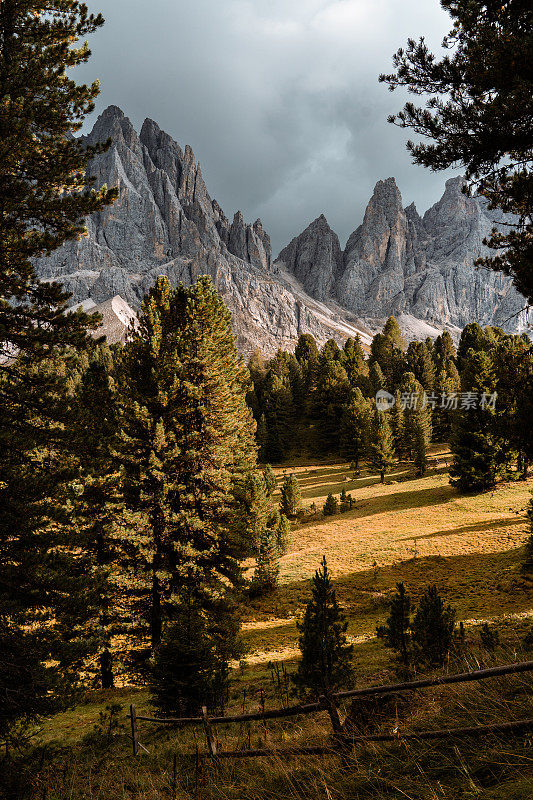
420,268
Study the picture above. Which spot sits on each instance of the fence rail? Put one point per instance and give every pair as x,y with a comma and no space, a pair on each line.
328,703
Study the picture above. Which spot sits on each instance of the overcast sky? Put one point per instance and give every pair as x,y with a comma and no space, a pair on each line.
279,99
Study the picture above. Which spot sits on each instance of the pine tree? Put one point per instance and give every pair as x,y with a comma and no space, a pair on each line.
376,379
396,631
266,574
420,362
326,655
354,360
283,530
344,502
47,586
398,424
479,96
433,627
332,392
190,666
354,428
187,445
479,454
331,506
381,444
271,482
417,427
291,498
387,350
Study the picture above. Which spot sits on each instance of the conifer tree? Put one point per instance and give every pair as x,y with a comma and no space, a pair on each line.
479,454
190,666
283,530
477,116
266,572
398,424
376,379
420,362
291,498
433,627
332,392
354,360
331,505
396,631
326,654
47,591
354,428
271,482
387,349
381,444
187,445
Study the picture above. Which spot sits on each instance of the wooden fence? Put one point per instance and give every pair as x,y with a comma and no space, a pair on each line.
341,741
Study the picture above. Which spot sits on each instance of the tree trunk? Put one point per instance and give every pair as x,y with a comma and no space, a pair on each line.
382,473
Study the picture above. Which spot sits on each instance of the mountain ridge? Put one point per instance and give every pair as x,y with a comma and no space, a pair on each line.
164,222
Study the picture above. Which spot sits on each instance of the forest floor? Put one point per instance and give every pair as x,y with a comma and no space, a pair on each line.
419,531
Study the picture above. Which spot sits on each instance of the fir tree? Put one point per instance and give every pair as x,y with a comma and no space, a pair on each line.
283,530
331,506
266,572
479,96
291,498
479,454
187,445
190,666
354,361
398,424
376,379
271,482
326,655
396,631
354,428
433,627
381,444
47,586
420,362
332,392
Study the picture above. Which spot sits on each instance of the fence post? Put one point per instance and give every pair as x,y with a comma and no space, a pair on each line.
211,743
328,705
134,732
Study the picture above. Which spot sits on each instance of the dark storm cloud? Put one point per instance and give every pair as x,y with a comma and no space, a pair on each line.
278,98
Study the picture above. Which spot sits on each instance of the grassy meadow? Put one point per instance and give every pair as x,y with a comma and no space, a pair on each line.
415,530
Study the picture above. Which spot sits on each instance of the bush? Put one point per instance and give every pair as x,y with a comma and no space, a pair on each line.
330,506
490,638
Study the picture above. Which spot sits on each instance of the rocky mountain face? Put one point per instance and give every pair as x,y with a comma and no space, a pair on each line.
315,258
165,223
397,262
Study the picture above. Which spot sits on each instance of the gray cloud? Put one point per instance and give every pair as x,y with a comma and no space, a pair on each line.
279,100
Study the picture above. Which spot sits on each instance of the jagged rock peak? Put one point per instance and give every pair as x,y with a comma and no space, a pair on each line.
315,258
